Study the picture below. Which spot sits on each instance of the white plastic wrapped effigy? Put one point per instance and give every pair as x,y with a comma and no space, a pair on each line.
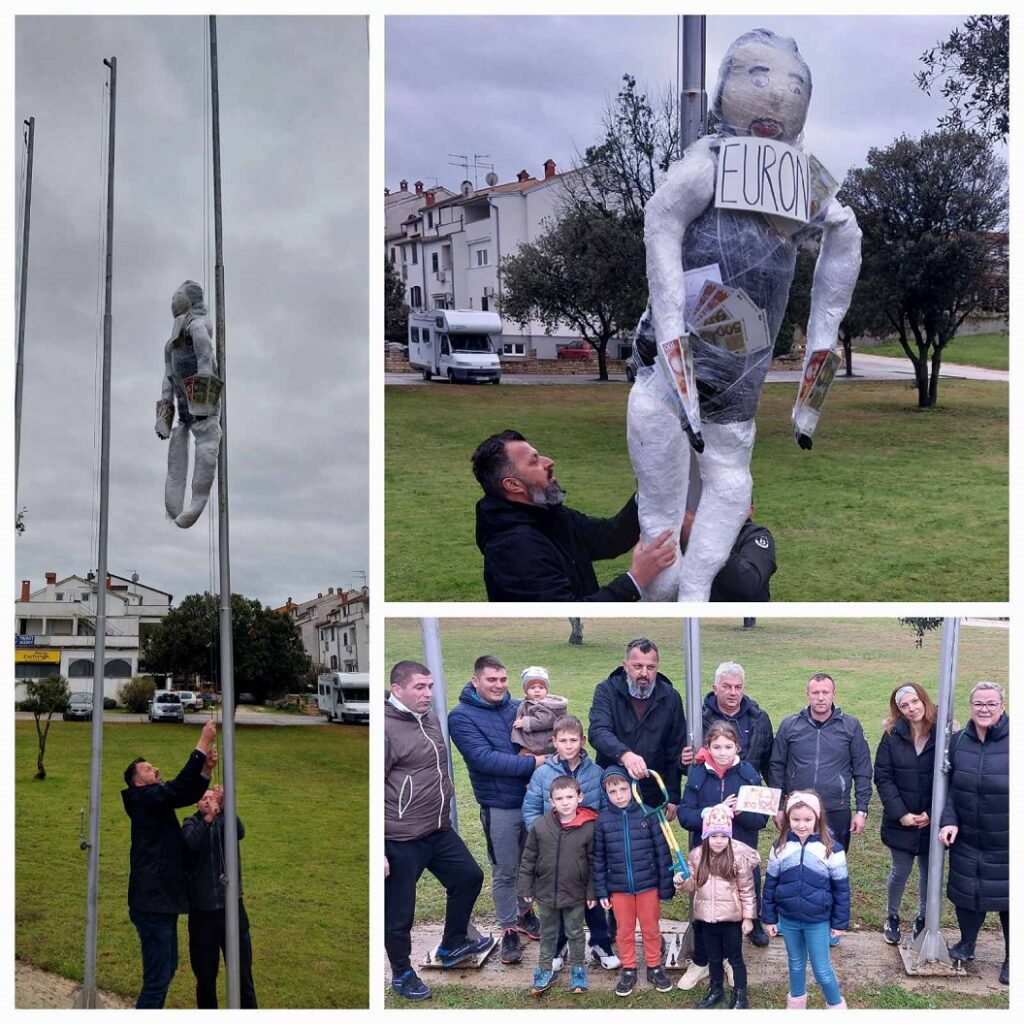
735,209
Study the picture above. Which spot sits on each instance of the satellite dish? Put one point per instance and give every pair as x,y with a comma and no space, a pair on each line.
491,179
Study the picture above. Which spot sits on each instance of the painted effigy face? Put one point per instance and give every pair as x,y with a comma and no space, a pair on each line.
765,93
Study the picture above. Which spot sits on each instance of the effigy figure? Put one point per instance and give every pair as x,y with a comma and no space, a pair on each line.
722,233
190,383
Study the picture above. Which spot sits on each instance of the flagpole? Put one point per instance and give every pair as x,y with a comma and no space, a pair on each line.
232,892
19,370
87,998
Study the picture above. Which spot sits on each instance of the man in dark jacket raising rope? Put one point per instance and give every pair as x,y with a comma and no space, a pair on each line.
156,883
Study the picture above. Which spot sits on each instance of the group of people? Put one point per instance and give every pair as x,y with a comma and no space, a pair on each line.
574,848
180,868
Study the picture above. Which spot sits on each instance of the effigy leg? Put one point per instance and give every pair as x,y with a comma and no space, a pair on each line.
207,433
726,489
177,470
661,461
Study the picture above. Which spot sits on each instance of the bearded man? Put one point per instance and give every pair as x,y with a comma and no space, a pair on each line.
637,721
536,549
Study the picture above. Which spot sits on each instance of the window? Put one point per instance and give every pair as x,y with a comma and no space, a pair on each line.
80,668
415,255
435,263
119,668
416,300
60,595
481,257
430,218
334,661
394,254
414,334
483,304
514,348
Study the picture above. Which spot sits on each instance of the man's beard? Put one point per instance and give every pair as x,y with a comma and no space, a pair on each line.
640,690
547,497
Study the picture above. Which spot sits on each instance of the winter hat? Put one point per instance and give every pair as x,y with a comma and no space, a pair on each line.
614,771
718,822
535,674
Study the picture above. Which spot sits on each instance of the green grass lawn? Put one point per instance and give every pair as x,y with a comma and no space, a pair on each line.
303,797
868,658
893,503
989,350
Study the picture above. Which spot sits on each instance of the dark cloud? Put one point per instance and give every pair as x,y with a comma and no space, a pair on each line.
294,101
523,89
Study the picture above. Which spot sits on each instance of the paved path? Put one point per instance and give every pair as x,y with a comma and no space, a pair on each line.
242,717
865,367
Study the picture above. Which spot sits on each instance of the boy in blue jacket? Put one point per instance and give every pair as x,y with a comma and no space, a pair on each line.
632,874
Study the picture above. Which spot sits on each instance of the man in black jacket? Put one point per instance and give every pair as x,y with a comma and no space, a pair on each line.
822,749
637,720
203,836
156,883
536,549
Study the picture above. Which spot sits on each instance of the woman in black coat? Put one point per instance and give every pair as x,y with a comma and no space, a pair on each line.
903,777
975,824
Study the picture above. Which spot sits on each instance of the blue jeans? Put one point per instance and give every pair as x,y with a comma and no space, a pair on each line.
159,936
805,941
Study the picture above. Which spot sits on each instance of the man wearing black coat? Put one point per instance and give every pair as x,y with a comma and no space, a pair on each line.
750,566
536,549
156,883
637,720
203,836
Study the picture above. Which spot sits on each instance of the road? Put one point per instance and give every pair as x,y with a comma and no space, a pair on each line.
865,367
243,716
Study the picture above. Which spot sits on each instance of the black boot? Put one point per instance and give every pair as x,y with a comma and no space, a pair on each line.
738,1000
716,994
1004,974
758,936
962,951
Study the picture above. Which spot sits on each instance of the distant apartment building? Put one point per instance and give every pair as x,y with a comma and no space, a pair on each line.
334,628
448,249
55,629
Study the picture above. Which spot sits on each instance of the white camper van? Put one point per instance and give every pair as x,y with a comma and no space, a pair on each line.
344,696
455,343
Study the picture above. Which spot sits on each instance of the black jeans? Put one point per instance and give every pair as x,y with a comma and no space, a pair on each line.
206,941
970,922
723,940
158,934
839,823
445,856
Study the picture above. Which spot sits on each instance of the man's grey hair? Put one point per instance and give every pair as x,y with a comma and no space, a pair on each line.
987,686
729,668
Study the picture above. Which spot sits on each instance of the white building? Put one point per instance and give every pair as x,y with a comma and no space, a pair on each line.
334,628
448,251
55,630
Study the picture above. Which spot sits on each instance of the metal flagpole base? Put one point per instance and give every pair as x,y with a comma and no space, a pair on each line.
87,999
678,944
927,957
473,962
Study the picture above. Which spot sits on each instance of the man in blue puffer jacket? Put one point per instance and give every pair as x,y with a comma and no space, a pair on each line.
480,725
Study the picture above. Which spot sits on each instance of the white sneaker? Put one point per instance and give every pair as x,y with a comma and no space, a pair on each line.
556,961
693,975
605,957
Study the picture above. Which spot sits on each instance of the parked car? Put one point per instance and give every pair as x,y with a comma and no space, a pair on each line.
166,707
190,701
79,708
578,349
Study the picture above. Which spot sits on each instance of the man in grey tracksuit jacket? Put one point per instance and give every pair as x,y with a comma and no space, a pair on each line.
418,835
821,748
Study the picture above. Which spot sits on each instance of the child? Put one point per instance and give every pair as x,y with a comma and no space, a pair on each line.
555,874
807,897
533,728
722,881
570,759
715,777
632,874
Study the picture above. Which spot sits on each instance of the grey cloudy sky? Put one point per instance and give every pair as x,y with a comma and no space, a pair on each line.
293,101
524,89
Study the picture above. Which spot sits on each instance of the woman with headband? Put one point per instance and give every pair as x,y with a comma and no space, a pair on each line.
903,777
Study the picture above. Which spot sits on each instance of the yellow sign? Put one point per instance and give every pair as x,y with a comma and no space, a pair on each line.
34,655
